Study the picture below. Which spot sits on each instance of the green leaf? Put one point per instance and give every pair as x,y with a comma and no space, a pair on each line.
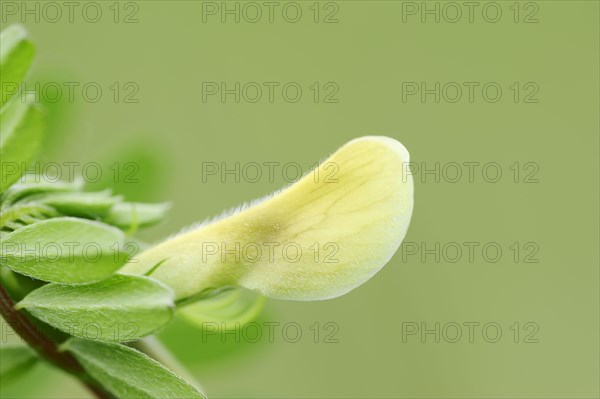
227,310
134,214
35,185
15,362
120,308
21,134
127,373
86,205
18,216
16,54
64,250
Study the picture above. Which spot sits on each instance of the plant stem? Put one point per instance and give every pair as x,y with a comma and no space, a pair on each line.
44,346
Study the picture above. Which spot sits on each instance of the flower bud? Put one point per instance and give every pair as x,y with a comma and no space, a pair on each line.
319,238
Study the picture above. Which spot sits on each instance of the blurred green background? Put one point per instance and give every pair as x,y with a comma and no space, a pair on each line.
371,56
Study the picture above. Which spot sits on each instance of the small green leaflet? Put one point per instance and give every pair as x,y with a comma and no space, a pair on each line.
67,199
120,308
15,361
227,310
127,373
18,216
35,185
84,204
65,250
16,54
21,134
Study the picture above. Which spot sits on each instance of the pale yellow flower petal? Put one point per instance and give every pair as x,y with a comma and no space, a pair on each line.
319,238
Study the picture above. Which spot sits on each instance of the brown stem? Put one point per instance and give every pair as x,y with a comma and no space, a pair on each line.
43,345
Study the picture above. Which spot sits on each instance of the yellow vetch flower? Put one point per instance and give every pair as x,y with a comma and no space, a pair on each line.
319,238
